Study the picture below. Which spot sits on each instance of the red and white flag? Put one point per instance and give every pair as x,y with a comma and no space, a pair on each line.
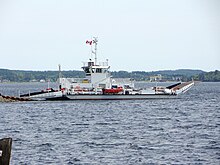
89,42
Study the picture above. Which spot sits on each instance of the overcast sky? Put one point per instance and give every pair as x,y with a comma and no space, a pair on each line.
143,35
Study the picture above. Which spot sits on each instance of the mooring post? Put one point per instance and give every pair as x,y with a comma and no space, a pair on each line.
5,151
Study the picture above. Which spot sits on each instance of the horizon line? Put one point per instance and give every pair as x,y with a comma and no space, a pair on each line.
115,70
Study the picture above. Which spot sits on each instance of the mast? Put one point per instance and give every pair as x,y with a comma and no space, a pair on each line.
95,41
60,74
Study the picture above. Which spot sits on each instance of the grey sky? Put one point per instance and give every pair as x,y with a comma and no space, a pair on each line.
134,35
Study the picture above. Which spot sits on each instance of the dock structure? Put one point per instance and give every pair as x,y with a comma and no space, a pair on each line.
5,151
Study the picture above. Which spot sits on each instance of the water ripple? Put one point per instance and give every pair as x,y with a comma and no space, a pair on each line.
180,131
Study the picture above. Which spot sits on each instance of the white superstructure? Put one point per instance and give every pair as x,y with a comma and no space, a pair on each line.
97,78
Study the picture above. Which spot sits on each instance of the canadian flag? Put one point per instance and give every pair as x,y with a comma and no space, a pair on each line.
89,42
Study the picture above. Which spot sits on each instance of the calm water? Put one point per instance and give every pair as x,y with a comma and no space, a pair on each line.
178,131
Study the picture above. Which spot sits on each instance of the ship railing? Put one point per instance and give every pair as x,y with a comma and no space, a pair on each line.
85,64
78,80
123,81
103,63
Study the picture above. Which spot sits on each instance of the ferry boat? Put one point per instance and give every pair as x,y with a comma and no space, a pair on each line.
98,84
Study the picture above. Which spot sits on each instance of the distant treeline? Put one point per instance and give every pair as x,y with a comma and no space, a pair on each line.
164,75
213,76
26,76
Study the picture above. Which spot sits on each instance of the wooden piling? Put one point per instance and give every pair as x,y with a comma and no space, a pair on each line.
5,151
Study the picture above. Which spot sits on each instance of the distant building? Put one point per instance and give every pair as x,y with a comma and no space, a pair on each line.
34,80
156,78
42,81
5,81
177,78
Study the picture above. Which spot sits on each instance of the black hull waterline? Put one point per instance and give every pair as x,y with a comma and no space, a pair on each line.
114,97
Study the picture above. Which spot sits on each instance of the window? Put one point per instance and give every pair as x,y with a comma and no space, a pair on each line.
98,70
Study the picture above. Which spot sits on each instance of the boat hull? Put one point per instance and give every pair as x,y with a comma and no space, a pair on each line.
120,97
62,95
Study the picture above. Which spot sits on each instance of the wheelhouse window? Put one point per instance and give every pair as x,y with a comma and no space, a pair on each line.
87,71
98,70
